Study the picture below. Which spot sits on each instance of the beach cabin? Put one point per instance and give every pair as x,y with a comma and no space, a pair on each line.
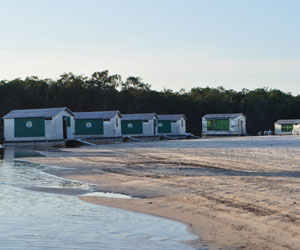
287,127
139,124
38,125
171,124
223,124
98,124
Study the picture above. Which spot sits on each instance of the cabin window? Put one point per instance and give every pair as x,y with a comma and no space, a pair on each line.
219,124
182,123
287,127
117,122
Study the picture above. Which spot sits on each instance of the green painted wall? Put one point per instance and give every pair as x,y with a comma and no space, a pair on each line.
165,128
30,127
89,127
132,127
218,124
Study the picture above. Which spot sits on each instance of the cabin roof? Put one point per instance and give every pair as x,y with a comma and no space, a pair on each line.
171,117
292,121
145,116
220,116
24,113
97,114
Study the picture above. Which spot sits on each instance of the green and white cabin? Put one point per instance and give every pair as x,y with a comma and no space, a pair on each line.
224,124
98,124
172,124
139,124
287,127
38,125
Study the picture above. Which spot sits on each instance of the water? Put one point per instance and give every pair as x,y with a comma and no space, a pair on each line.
38,220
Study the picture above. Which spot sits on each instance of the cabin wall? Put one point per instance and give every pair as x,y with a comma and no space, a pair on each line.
149,128
112,128
177,128
164,127
296,129
53,129
237,126
181,126
277,129
89,127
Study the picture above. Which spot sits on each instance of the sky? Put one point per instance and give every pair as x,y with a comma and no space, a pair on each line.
170,44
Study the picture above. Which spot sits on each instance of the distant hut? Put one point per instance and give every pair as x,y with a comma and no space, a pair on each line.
172,124
38,125
287,127
98,124
224,124
139,124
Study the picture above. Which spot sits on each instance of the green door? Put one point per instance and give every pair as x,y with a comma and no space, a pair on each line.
132,127
164,127
30,127
89,127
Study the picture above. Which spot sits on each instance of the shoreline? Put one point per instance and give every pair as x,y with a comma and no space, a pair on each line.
236,198
114,202
120,203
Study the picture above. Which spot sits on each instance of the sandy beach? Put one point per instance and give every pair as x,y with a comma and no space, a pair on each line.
235,193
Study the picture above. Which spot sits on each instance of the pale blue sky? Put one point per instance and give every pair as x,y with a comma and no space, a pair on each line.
168,43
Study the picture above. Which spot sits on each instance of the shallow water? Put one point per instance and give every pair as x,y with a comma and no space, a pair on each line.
39,220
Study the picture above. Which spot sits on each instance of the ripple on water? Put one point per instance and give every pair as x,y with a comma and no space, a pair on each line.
38,220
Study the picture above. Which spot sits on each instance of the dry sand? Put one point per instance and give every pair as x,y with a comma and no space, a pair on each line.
235,193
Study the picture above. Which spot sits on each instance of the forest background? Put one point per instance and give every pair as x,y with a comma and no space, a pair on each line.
102,91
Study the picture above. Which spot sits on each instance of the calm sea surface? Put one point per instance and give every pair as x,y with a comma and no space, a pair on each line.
37,220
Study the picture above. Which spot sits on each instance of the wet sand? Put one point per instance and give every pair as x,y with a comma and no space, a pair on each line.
235,193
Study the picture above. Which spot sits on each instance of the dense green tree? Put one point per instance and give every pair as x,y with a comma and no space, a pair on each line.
103,91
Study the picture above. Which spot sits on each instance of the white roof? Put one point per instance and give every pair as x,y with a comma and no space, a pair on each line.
294,121
24,113
220,116
97,114
134,117
173,117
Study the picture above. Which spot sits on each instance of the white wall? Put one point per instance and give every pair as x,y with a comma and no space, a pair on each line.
53,129
112,128
296,128
148,128
9,129
182,128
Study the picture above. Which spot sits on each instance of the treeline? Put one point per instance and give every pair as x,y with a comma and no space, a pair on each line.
103,91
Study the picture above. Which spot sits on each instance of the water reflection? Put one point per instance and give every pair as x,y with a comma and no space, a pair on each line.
39,220
1,152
